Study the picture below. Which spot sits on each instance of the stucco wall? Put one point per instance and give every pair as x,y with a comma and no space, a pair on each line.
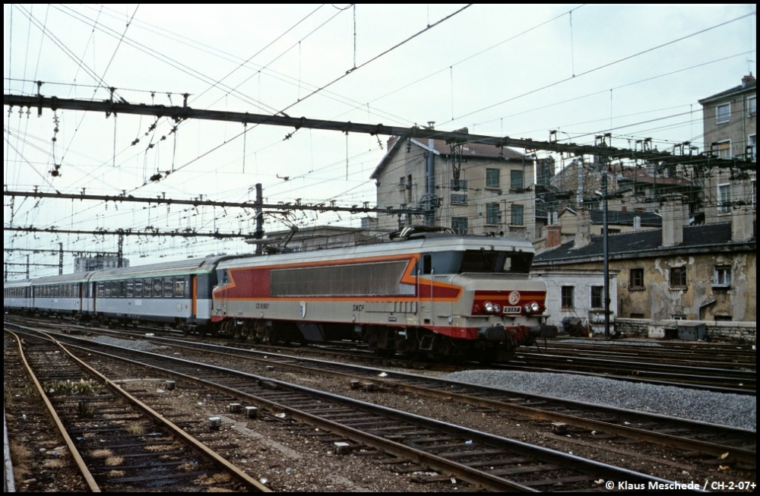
659,301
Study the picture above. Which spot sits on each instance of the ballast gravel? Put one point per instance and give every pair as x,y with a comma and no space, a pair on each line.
130,344
726,409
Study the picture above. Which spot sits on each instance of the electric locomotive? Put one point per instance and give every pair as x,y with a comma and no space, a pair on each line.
433,295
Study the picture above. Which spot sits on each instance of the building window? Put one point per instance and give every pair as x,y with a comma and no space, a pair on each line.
754,195
723,317
492,213
752,104
723,113
722,277
724,149
724,198
597,296
516,179
637,315
462,185
678,277
752,147
492,178
568,297
459,225
517,215
678,316
636,281
459,198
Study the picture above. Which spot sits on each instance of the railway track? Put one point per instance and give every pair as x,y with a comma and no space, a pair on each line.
709,439
620,362
413,442
117,442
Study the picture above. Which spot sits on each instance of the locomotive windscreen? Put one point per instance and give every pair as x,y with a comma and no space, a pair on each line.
479,261
496,261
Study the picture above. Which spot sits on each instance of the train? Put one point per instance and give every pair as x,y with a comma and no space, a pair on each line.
425,294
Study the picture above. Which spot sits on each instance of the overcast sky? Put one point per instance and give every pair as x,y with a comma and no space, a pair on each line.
634,70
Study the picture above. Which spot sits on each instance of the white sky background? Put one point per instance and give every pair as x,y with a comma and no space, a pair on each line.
479,69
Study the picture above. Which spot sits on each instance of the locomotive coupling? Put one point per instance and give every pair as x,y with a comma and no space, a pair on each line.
496,332
543,331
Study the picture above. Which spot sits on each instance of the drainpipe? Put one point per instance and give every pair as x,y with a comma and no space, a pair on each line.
704,305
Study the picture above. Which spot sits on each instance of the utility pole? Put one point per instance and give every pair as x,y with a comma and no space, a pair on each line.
60,259
606,260
259,232
120,250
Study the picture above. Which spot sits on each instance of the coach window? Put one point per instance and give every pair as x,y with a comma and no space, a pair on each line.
147,288
130,289
179,287
158,286
108,286
101,290
168,287
138,288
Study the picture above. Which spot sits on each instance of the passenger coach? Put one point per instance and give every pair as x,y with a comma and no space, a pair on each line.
175,293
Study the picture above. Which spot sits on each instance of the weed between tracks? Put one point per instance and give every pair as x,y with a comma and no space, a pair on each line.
218,478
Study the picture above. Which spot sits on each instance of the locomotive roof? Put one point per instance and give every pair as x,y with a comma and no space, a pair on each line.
189,266
19,283
430,243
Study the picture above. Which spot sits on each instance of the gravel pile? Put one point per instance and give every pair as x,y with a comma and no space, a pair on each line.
726,409
128,343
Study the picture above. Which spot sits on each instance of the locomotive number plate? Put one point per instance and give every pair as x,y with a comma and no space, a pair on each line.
511,309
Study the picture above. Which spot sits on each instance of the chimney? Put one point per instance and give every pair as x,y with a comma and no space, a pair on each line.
672,220
583,233
741,224
553,236
748,79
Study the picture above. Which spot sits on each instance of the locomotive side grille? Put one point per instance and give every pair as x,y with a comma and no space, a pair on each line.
367,279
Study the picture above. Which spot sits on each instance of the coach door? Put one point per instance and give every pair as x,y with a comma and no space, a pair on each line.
94,289
194,296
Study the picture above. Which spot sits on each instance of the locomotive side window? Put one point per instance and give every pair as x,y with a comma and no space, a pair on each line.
168,287
157,287
427,264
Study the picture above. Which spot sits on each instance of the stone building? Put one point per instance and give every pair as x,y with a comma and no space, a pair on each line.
494,192
697,273
729,120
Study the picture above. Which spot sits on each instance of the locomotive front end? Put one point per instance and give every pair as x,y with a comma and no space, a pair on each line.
503,311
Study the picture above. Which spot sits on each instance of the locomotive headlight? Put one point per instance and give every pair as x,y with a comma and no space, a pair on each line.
496,308
531,307
489,307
